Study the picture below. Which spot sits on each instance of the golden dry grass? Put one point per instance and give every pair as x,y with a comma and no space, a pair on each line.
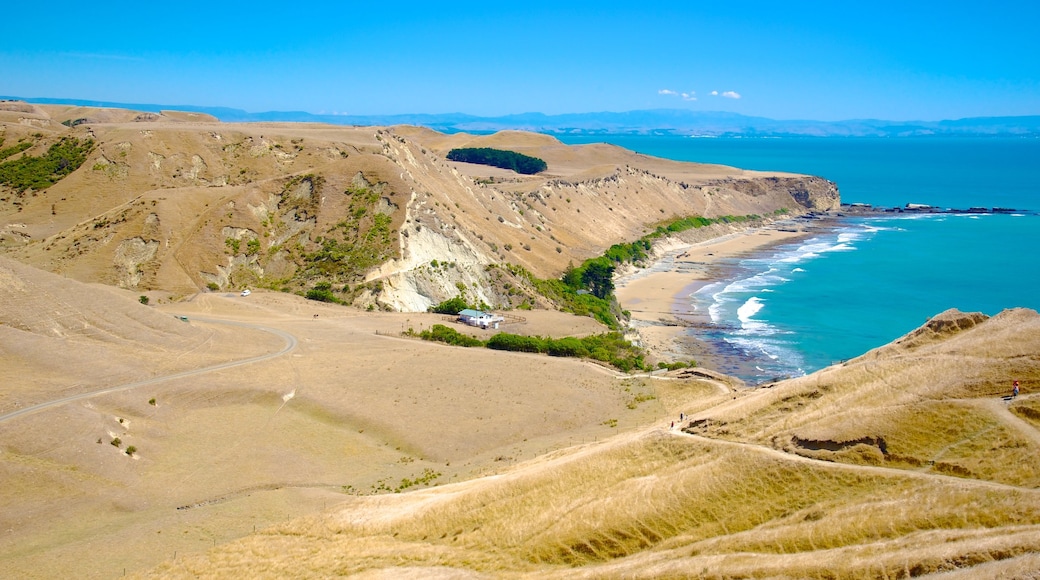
903,462
635,504
951,487
369,413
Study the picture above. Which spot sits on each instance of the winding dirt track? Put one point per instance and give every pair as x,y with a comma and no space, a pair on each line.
996,406
290,344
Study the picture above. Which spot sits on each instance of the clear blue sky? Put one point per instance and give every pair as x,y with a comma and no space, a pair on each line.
830,60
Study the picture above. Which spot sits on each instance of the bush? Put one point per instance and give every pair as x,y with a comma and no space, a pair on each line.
441,333
677,365
517,343
321,295
143,299
450,306
570,346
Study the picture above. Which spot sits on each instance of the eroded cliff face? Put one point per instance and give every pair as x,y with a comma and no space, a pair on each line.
377,216
474,217
809,192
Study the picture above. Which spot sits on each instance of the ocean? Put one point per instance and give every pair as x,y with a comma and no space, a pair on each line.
864,282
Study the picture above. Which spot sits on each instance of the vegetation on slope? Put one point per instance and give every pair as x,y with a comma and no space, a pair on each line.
61,159
354,245
727,503
518,162
9,151
588,289
610,347
659,506
338,257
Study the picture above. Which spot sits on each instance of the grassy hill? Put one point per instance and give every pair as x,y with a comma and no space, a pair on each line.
205,433
904,462
179,203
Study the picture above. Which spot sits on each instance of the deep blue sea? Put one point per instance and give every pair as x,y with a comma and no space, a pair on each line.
796,308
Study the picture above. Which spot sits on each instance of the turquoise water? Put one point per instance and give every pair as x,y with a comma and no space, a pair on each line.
796,308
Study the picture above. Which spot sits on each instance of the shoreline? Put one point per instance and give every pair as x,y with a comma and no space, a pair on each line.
657,296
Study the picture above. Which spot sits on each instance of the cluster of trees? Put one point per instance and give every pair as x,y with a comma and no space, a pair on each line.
518,162
572,297
450,306
61,159
610,347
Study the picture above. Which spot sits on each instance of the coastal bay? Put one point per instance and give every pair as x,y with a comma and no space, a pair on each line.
658,296
866,278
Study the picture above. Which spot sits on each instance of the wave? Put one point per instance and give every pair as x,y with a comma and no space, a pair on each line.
737,305
748,310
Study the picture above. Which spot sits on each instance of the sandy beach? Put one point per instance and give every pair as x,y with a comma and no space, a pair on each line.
657,296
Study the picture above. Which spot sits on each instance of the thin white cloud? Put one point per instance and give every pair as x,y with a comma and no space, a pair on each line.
686,96
714,93
731,95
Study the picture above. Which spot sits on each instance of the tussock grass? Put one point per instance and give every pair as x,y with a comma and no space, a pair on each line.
1028,410
748,498
600,510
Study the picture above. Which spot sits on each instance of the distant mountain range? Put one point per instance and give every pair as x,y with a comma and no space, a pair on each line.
654,121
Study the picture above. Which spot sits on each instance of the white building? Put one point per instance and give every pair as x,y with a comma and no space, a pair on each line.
480,318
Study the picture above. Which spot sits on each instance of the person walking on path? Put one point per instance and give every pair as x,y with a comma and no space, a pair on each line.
1014,389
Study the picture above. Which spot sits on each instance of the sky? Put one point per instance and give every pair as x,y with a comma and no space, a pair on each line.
825,60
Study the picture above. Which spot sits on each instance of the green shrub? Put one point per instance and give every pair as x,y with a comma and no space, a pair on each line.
450,306
677,365
570,346
441,333
321,295
143,299
517,343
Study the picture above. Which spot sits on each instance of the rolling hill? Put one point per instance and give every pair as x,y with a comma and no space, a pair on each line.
179,203
157,422
904,462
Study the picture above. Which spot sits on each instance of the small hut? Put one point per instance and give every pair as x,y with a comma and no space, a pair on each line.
480,318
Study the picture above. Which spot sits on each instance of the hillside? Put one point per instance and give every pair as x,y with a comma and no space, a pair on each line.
155,421
177,203
906,461
129,434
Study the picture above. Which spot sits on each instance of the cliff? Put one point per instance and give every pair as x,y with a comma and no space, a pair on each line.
372,216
